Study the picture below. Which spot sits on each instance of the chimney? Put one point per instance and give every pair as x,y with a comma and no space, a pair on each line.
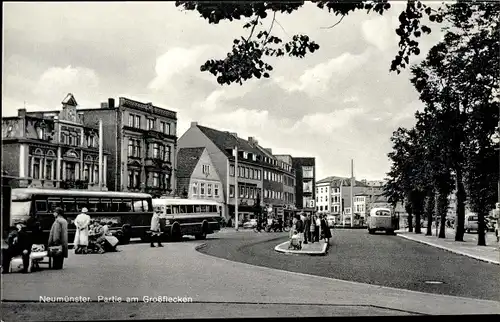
111,103
21,112
194,124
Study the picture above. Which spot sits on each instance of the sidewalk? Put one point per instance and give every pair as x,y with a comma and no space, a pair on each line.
312,249
469,247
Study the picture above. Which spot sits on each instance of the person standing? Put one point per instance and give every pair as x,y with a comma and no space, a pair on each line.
82,222
299,227
59,238
307,229
327,234
155,230
312,229
317,230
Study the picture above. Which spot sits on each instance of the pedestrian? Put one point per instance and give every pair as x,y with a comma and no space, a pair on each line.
58,239
299,227
327,234
317,228
155,229
307,228
19,244
82,222
312,229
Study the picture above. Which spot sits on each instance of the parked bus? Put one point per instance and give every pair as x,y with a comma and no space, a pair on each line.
193,217
129,213
471,223
382,219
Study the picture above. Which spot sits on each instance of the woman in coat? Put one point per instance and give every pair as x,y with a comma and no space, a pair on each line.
59,237
82,222
327,234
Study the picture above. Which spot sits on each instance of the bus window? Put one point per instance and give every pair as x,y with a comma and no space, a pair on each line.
168,210
93,205
175,209
115,204
41,206
69,205
126,205
81,203
104,205
189,209
214,208
53,203
147,205
138,205
182,209
197,208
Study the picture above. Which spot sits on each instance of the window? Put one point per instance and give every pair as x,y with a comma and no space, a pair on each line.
195,188
133,178
41,133
242,191
209,189
231,170
307,172
258,174
49,169
326,207
246,172
166,129
206,169
134,147
163,127
137,123
151,124
265,175
156,150
231,191
202,189
216,190
131,119
156,179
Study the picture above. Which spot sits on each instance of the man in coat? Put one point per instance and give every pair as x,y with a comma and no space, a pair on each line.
59,237
155,230
307,228
82,222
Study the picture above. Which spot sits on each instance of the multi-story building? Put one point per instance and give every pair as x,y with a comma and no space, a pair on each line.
277,181
222,148
305,175
142,140
197,177
334,195
52,149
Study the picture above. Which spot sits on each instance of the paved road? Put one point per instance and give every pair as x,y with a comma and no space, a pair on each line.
377,259
218,288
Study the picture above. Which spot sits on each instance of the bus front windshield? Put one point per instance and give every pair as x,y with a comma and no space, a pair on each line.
383,213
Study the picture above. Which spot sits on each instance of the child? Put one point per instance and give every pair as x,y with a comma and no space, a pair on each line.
295,240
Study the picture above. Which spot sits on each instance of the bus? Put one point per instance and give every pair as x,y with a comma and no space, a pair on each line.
192,217
129,213
382,219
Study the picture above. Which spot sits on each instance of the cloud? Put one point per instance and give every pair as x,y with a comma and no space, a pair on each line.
327,123
319,79
379,32
57,81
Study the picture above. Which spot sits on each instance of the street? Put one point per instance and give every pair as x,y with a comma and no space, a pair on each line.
221,288
378,259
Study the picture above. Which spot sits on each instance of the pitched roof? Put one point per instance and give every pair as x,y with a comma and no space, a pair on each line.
340,181
226,141
69,100
187,159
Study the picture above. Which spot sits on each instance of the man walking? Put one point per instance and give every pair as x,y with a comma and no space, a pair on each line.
58,239
155,230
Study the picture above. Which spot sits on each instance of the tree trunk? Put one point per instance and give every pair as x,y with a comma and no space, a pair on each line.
418,210
429,211
442,205
410,222
460,226
481,238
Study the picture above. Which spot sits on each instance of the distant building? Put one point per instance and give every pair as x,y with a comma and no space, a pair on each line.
52,149
305,187
142,140
197,177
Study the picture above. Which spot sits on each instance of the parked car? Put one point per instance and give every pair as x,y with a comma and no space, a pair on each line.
252,223
330,220
471,223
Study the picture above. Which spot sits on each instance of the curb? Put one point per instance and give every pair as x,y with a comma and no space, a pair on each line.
480,258
300,252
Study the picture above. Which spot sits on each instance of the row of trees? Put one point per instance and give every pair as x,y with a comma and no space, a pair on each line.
451,147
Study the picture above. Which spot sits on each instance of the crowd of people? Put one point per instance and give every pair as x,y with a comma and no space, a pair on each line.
309,228
26,249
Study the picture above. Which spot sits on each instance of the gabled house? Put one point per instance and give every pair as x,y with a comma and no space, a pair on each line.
196,175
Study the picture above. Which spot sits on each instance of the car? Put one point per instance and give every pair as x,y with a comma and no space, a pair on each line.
330,220
252,223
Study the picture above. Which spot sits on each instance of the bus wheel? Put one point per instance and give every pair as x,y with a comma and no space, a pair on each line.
371,231
125,238
176,232
390,232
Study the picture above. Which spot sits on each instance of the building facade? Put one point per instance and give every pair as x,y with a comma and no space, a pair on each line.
305,187
52,149
142,141
197,177
223,147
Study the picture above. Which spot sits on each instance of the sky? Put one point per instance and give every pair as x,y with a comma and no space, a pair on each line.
338,104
